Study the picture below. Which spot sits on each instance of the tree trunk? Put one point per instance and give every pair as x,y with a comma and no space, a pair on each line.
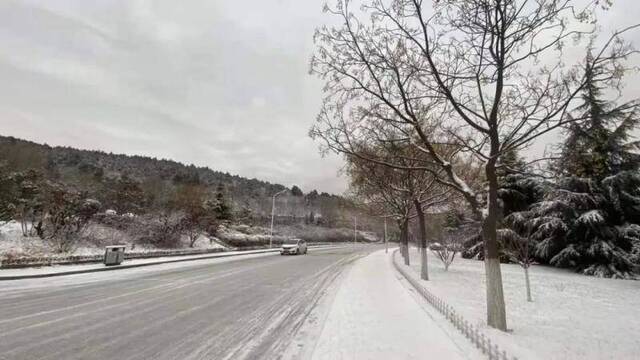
23,223
401,239
528,283
424,269
496,312
405,240
424,272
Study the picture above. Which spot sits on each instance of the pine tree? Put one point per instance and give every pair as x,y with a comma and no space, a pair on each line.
222,209
296,191
9,193
598,143
125,195
576,227
589,220
245,214
519,189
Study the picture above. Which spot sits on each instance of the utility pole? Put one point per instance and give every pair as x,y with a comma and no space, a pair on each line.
355,229
386,242
273,209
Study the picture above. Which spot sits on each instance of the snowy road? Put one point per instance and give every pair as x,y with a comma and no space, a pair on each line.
216,309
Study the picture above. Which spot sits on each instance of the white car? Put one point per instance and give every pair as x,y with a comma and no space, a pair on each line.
294,247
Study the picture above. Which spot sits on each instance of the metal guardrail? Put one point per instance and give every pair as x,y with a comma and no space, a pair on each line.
18,262
470,331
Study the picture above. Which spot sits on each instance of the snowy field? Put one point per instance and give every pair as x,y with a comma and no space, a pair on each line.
572,316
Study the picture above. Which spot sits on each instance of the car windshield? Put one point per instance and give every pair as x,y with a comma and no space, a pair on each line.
290,242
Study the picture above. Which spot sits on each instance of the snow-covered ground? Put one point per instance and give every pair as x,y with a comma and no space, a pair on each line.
373,316
311,233
14,243
97,235
572,316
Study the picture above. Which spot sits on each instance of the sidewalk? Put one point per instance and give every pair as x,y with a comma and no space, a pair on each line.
59,270
375,316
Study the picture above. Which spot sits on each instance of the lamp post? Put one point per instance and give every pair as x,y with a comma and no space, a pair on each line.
386,241
355,230
273,208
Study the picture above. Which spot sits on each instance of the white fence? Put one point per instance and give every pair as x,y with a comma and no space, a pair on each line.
470,331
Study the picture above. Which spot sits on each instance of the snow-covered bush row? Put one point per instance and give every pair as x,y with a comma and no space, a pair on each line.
239,235
586,225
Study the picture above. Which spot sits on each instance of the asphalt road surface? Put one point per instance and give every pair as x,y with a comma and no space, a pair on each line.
215,309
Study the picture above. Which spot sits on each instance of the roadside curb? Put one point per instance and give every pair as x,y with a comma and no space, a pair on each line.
130,266
469,330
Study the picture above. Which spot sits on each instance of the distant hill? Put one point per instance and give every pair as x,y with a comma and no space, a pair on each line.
100,174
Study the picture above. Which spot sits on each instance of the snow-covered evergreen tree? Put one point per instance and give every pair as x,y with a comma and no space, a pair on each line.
577,226
519,189
598,143
590,219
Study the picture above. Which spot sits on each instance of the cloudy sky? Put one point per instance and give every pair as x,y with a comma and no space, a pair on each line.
222,84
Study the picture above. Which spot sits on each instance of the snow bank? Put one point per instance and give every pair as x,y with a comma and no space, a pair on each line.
94,238
13,243
572,316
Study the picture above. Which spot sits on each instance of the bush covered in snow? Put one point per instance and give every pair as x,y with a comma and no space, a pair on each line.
588,226
239,235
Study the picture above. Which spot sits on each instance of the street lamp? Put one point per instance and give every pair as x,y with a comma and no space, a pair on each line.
355,230
273,208
386,241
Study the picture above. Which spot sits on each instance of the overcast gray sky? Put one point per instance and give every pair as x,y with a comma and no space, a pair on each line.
218,83
222,84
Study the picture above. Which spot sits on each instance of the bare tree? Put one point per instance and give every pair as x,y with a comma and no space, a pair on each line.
199,215
518,247
485,75
405,192
67,215
430,195
374,185
446,247
445,252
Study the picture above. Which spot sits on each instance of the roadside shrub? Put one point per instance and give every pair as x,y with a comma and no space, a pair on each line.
66,216
312,233
161,230
122,223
